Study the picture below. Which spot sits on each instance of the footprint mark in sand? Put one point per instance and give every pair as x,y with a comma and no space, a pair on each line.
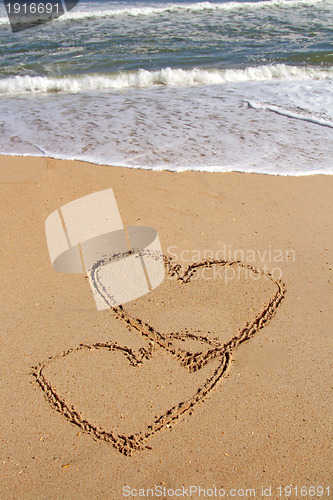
212,349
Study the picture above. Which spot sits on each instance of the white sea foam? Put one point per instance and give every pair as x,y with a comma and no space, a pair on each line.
292,113
189,128
165,77
195,7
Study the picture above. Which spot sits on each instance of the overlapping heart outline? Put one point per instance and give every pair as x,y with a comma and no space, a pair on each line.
190,361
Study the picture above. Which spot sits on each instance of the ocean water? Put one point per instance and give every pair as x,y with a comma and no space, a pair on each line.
220,86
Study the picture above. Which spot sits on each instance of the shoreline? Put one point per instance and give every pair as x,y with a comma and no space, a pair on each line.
265,423
208,170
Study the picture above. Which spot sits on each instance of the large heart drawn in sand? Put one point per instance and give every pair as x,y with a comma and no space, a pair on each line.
184,342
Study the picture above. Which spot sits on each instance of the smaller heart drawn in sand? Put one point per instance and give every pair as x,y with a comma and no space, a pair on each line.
143,389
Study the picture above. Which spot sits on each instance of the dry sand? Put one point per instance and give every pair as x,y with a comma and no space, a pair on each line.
260,419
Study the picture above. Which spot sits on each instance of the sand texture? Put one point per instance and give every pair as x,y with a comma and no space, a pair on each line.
218,378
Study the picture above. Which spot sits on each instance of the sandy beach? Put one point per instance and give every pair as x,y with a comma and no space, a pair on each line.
262,424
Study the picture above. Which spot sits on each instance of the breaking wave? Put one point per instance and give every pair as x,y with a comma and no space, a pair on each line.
195,7
164,77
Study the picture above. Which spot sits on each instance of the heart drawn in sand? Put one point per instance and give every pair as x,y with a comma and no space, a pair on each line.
177,347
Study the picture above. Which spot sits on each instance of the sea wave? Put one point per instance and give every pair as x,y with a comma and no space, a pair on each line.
181,8
164,77
194,7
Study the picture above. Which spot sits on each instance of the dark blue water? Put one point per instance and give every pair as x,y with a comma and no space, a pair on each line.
105,37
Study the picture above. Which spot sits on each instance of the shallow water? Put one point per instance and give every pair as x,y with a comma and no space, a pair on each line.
192,85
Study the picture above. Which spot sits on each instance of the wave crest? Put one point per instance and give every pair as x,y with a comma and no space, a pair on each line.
164,77
182,8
